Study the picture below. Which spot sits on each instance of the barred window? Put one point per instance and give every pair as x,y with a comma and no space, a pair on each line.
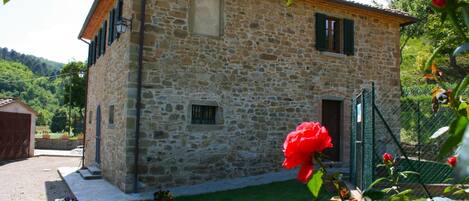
203,114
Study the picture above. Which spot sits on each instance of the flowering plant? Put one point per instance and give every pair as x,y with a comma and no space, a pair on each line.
392,189
304,147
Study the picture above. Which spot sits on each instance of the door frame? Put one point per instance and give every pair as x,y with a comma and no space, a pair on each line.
342,123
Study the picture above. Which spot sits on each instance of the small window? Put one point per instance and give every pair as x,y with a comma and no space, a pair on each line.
333,33
111,114
202,114
206,17
90,117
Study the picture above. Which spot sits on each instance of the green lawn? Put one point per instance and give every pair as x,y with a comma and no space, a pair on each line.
280,191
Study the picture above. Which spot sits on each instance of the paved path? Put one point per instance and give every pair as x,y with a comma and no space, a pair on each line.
34,179
46,152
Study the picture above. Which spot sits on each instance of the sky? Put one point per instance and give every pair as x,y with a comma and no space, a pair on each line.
49,28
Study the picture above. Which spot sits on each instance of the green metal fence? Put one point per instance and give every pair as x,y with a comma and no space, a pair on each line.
383,122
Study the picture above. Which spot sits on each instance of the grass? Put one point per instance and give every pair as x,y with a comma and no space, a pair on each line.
279,191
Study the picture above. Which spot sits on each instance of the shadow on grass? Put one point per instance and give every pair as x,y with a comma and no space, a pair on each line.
57,190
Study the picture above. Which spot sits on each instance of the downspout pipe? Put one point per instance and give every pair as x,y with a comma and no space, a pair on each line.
139,92
86,112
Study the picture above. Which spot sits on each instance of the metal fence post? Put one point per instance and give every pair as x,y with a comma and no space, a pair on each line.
419,138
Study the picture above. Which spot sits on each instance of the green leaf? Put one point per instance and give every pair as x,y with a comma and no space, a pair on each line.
378,181
459,192
432,57
457,129
461,49
289,2
315,183
448,189
462,106
460,88
406,174
465,14
448,180
374,194
5,1
404,195
387,190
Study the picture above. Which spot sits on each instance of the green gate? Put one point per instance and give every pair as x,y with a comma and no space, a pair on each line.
373,134
362,139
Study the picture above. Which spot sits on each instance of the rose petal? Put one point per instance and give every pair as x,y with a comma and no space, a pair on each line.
305,172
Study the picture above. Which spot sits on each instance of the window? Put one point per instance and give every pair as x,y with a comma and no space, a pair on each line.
90,117
206,17
111,115
334,34
333,39
203,114
112,27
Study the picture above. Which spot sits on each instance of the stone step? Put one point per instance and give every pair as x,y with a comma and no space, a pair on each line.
86,174
94,170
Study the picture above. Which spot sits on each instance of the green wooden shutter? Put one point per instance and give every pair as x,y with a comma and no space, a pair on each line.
95,50
349,37
89,55
100,33
111,25
104,36
92,55
321,32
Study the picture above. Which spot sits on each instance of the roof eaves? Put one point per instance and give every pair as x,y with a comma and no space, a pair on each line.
88,18
389,12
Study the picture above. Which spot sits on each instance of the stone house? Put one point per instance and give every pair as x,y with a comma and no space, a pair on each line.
212,87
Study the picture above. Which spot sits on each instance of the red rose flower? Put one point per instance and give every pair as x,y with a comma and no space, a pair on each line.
387,158
439,3
301,145
452,161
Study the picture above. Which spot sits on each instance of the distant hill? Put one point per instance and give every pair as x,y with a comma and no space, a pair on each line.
37,65
41,93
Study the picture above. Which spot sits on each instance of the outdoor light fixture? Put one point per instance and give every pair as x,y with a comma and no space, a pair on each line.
123,25
81,74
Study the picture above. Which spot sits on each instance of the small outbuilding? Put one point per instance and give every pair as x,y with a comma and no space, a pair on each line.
17,129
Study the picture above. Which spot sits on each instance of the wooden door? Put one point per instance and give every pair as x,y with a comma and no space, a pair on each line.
332,120
15,132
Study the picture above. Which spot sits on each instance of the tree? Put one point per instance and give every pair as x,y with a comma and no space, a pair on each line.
59,121
70,73
432,26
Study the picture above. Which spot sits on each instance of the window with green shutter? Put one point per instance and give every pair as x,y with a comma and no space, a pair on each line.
349,37
104,28
100,33
334,34
111,27
95,49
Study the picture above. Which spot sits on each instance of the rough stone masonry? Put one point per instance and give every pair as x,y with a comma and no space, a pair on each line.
263,73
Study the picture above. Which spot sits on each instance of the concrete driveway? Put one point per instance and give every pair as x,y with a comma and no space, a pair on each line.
35,179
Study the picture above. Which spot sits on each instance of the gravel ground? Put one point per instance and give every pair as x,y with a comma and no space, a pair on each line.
34,179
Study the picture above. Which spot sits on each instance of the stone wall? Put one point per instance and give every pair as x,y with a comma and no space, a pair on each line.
57,144
108,85
264,74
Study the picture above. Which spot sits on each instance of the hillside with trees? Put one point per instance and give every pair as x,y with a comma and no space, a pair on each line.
48,95
37,65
